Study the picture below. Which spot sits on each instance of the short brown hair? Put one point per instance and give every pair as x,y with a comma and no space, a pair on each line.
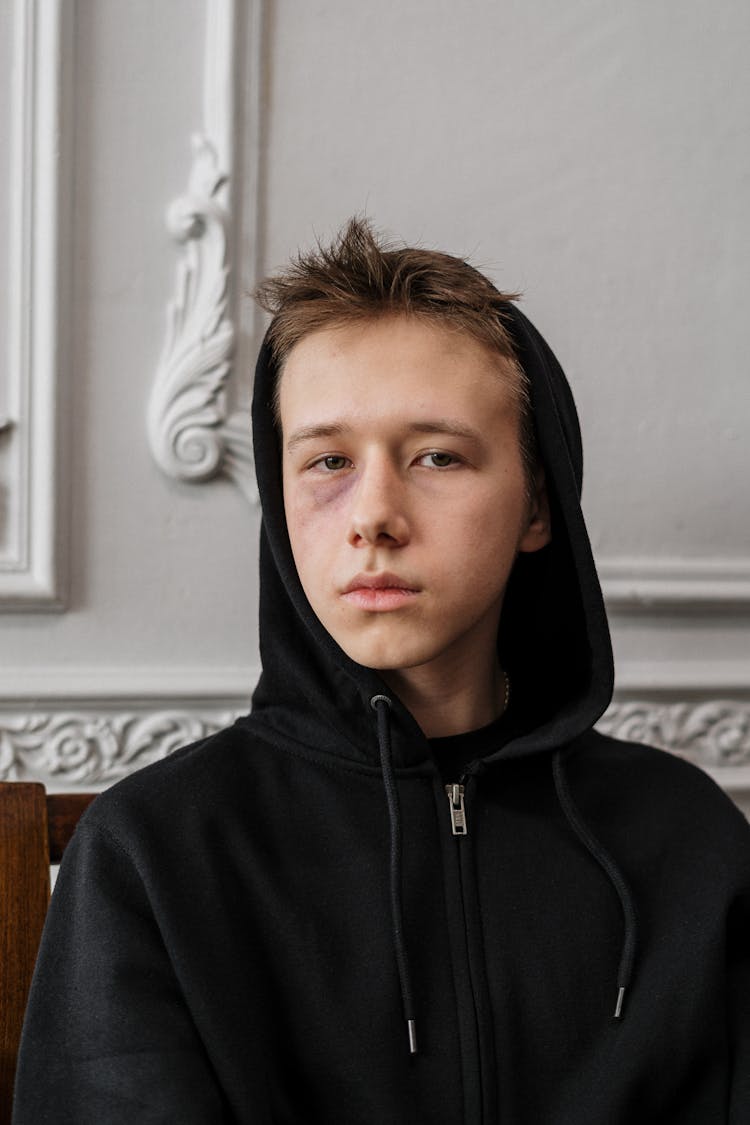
362,277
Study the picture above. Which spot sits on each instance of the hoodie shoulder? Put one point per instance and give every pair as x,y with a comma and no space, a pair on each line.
658,791
198,776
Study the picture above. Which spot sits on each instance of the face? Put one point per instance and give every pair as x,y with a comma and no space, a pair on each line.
404,491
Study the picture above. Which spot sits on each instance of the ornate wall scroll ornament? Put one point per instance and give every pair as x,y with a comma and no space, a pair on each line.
193,433
713,734
96,749
193,436
93,747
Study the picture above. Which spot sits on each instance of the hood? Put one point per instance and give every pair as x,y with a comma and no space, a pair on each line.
553,641
553,637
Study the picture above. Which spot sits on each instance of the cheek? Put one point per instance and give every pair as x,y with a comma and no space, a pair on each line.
312,498
315,515
488,525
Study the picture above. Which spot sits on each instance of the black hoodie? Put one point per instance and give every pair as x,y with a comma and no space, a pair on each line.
241,932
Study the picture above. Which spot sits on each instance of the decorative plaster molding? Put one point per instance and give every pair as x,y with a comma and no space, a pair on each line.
95,746
714,734
30,564
194,436
94,749
676,584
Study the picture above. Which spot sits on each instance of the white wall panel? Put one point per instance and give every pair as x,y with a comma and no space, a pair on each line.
161,572
6,118
33,262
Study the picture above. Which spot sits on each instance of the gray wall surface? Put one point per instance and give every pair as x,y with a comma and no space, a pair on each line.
592,154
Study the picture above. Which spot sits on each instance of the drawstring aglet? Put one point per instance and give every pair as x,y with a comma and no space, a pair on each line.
620,998
412,1036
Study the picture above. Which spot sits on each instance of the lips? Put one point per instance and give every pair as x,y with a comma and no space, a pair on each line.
379,592
384,581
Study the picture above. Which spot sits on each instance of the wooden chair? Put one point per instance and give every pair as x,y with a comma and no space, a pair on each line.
35,827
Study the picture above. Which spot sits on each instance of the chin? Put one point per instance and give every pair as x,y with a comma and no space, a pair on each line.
386,658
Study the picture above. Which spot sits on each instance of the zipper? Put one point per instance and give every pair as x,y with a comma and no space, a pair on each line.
478,1101
455,794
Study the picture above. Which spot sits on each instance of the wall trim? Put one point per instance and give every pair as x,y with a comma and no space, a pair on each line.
632,583
108,687
93,749
714,733
90,727
194,432
709,678
31,570
218,684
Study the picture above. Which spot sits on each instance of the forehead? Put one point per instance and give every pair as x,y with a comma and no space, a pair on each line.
396,365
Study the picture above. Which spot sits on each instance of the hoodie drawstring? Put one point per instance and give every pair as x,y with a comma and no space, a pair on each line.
381,704
615,876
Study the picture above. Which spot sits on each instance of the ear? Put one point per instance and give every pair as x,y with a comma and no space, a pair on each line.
538,528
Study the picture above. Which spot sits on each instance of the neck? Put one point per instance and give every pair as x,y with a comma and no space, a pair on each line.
445,703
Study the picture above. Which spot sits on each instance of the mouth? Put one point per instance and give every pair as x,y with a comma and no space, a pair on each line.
379,592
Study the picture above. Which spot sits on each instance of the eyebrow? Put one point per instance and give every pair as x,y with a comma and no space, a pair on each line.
309,433
340,429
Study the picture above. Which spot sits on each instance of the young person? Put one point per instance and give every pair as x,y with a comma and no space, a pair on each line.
414,884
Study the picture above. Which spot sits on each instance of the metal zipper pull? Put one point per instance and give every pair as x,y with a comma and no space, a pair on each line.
458,812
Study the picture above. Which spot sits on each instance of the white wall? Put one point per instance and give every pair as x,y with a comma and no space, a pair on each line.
594,155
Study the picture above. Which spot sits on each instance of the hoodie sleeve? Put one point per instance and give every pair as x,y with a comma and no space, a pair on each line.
739,1015
107,1035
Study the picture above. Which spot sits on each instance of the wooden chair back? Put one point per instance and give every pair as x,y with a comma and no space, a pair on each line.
35,827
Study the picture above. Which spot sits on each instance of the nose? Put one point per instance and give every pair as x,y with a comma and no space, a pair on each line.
378,513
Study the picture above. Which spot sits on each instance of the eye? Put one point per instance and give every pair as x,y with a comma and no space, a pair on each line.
333,463
436,459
